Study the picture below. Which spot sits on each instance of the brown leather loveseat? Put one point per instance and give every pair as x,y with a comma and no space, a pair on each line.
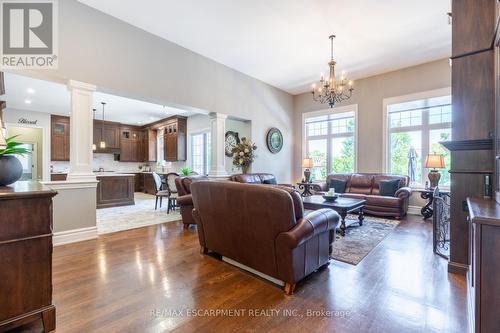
366,186
185,199
264,228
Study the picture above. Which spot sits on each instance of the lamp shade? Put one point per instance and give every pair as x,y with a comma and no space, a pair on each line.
307,163
434,161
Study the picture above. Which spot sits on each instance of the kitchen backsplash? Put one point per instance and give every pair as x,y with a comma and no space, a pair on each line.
107,162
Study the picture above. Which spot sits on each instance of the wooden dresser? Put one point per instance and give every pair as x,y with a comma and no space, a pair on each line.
26,255
483,276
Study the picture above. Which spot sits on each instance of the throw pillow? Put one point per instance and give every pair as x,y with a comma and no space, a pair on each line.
338,185
271,181
388,188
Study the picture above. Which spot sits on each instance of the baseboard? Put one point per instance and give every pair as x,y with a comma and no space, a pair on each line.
253,271
414,210
457,268
74,235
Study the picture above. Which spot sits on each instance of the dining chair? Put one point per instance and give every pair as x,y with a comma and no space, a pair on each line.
160,193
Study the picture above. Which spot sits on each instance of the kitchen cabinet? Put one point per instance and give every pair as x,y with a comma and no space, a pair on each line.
58,176
59,138
131,144
175,143
150,145
110,133
149,184
115,190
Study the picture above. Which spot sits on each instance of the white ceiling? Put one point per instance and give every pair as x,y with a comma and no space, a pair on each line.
54,98
285,42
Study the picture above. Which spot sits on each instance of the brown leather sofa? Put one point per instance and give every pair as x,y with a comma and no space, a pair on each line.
185,199
366,186
255,178
264,228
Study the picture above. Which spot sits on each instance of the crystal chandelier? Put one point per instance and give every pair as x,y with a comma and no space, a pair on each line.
331,90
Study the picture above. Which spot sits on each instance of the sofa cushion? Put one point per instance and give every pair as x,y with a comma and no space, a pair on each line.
361,184
271,181
377,200
354,196
338,185
389,187
250,178
403,181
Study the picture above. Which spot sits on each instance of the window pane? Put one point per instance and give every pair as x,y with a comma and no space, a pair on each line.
343,154
197,153
439,115
317,126
406,155
317,150
405,118
435,136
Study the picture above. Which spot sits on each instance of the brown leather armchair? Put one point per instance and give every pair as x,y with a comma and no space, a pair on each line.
366,186
185,199
264,228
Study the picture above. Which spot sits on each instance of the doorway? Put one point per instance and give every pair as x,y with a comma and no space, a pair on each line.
31,139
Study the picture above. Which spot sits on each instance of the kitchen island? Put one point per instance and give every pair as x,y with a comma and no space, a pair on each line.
115,189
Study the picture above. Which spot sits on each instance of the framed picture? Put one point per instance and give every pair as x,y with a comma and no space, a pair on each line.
274,140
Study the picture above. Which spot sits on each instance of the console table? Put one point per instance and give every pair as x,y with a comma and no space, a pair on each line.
26,256
306,188
428,194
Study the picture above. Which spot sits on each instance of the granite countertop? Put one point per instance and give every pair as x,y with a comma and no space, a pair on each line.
113,174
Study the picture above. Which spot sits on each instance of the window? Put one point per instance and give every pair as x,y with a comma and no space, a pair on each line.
200,152
415,129
330,141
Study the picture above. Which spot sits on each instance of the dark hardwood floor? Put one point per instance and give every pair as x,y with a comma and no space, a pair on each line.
146,280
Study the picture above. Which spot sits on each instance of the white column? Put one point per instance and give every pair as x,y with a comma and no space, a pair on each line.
81,131
217,137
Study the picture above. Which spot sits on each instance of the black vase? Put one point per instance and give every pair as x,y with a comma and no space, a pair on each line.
10,170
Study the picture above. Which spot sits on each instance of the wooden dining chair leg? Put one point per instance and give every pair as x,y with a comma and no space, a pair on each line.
161,201
156,203
169,205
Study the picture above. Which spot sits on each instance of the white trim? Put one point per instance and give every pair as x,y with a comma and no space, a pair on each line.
70,185
414,210
74,235
253,271
343,109
401,99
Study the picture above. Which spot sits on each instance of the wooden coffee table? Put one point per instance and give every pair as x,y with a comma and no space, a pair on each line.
343,206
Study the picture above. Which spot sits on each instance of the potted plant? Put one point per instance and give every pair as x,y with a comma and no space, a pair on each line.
243,154
185,171
11,168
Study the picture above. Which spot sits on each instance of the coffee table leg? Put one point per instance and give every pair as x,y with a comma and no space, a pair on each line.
343,214
361,216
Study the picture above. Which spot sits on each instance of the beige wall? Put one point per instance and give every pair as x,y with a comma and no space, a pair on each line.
369,95
122,59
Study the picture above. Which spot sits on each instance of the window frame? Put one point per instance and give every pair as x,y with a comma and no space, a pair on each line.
206,142
352,108
425,126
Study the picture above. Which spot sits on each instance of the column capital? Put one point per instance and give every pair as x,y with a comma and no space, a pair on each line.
72,84
217,115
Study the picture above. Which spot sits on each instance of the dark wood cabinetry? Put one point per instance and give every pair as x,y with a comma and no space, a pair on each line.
115,190
175,142
484,270
110,133
59,134
26,256
131,144
473,116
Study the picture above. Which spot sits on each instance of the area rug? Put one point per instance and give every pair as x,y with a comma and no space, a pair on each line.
359,241
141,214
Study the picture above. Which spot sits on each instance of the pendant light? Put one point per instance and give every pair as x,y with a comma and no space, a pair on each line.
102,144
94,146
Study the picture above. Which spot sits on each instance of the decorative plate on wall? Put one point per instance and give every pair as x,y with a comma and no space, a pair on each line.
274,140
232,139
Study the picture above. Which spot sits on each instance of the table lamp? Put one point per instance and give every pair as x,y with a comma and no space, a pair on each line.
307,163
434,161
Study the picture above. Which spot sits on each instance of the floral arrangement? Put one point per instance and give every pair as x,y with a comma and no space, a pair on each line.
243,154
